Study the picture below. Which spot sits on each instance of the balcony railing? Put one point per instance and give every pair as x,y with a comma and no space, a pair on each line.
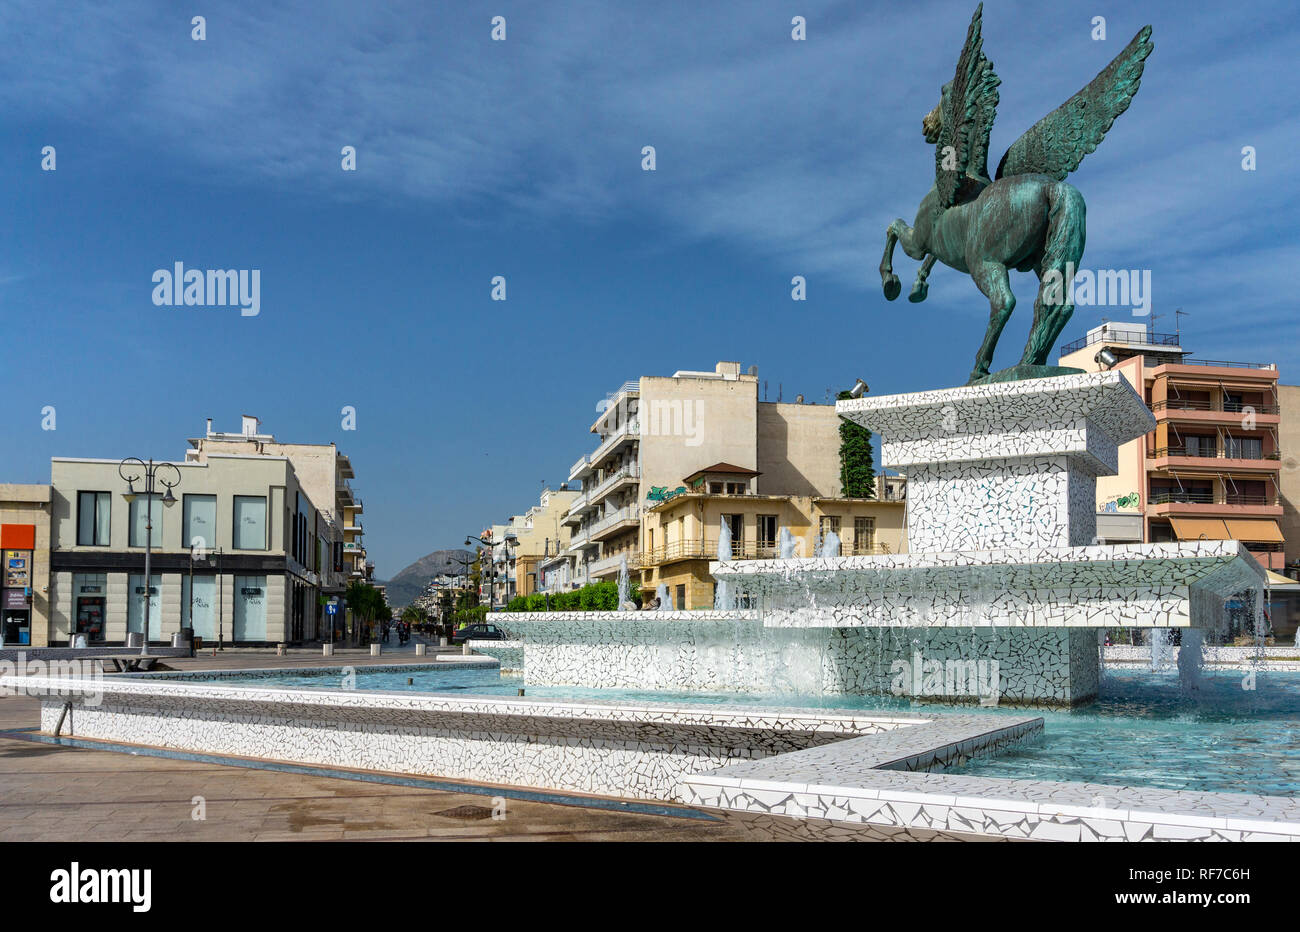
580,465
632,471
1225,364
626,513
1220,453
1209,497
613,562
1182,497
745,550
1201,404
1132,338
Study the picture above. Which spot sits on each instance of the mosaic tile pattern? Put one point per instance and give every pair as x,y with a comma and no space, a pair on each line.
631,750
1050,667
1006,465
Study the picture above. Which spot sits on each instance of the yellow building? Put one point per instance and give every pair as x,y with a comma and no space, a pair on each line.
682,529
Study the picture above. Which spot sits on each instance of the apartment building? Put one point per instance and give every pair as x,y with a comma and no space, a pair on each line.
239,556
656,432
326,475
538,535
1212,467
25,548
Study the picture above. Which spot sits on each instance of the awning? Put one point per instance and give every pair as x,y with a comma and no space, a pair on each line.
1198,528
1255,530
1276,582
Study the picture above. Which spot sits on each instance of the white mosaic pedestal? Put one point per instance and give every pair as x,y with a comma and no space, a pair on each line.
1001,526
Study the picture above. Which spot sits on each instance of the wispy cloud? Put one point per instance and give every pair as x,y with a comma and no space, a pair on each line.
801,151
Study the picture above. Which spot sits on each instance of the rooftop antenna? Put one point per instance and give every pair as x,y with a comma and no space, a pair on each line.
1178,329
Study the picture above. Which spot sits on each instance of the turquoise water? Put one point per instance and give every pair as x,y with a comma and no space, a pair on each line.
1142,731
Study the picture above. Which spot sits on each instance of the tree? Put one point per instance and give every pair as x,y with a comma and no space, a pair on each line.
366,604
857,466
414,615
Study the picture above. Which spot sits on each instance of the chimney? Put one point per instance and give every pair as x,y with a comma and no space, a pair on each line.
209,433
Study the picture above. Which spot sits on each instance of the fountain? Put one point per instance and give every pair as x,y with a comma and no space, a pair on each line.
623,587
665,598
785,544
1001,571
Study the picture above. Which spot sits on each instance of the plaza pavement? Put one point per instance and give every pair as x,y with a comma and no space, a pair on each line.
51,793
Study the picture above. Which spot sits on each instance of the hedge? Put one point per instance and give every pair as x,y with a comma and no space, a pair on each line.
597,597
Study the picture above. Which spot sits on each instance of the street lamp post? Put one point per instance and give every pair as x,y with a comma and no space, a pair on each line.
132,470
490,544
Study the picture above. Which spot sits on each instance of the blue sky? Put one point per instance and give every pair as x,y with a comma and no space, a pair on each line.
523,158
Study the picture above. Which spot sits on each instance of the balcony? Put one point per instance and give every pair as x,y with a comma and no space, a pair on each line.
579,469
1122,337
580,541
613,563
1226,458
629,473
1200,405
744,550
615,521
624,433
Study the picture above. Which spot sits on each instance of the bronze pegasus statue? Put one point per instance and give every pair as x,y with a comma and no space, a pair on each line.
1026,219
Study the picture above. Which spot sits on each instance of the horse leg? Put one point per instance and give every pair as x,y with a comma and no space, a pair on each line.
991,277
920,288
888,280
1050,318
899,232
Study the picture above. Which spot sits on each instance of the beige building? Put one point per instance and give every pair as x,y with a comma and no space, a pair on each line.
240,556
656,432
25,548
533,536
326,475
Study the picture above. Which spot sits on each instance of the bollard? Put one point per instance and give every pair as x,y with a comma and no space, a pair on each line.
279,650
466,650
374,650
328,649
419,650
442,641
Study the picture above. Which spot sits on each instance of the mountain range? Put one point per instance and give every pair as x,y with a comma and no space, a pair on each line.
405,587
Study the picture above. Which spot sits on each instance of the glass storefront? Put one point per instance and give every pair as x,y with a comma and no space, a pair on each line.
89,591
135,604
250,608
203,599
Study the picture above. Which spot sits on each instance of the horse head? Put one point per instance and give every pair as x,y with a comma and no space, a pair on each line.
932,122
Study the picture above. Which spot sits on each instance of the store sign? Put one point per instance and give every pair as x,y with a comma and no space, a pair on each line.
17,569
14,599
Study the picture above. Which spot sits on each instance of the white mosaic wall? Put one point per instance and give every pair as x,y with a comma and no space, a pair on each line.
1005,465
1048,666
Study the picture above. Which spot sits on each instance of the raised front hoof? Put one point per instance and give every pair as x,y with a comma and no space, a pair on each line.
893,287
919,291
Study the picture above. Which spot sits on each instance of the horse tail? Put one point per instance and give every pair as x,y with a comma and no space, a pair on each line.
1066,226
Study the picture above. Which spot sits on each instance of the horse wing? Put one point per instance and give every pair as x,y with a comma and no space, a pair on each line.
1057,143
967,109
